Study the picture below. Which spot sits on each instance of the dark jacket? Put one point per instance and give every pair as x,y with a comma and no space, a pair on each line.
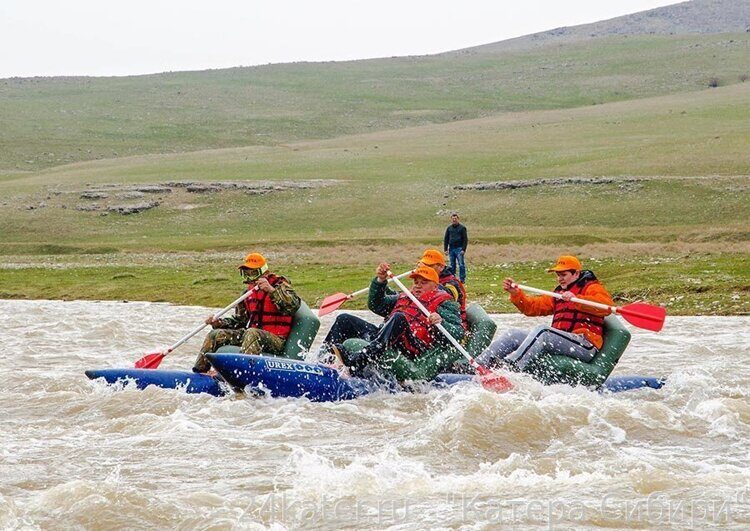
455,237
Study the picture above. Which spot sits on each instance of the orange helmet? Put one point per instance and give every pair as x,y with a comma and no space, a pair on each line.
426,273
432,257
253,267
566,263
253,261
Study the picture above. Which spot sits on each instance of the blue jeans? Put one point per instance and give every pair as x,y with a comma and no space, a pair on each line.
457,255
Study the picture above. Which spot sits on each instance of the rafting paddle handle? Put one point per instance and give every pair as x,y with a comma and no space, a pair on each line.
152,361
332,302
490,379
640,314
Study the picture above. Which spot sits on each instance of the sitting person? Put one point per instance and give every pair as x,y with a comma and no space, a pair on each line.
576,329
436,260
262,322
406,329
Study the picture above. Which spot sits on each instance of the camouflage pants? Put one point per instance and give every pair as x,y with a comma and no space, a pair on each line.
250,341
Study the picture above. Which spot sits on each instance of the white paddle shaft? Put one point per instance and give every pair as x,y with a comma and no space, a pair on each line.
425,311
611,309
216,316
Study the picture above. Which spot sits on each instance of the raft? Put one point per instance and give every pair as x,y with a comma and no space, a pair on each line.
613,384
191,382
288,376
284,378
279,377
560,369
304,327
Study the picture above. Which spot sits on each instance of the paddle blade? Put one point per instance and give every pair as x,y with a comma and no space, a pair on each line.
331,303
642,315
492,381
150,361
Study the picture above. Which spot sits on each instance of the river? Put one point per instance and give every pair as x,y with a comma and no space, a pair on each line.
80,454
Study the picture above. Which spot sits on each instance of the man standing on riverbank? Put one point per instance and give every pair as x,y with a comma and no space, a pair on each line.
455,242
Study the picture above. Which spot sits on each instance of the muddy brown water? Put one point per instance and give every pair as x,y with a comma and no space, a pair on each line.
80,454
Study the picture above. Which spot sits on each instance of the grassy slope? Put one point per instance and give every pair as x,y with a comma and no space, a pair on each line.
688,285
691,146
48,122
400,134
399,183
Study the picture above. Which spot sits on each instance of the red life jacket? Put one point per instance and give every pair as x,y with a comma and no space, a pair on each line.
450,278
263,312
566,317
418,323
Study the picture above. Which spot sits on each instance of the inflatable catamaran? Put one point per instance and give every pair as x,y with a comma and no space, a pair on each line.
290,376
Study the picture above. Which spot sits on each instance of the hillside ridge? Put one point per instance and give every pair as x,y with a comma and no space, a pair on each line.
692,17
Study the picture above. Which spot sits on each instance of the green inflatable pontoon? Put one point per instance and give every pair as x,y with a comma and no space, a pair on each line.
305,326
556,368
439,359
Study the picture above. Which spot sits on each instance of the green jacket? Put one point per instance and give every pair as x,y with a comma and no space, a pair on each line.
381,301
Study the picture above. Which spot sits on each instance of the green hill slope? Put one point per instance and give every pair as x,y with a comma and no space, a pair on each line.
609,146
665,218
690,150
53,121
693,17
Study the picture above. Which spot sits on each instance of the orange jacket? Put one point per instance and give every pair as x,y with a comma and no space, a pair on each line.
543,305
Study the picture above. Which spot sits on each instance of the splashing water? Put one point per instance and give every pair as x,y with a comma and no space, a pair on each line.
79,453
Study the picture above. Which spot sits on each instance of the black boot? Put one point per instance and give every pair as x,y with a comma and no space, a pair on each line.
355,360
201,364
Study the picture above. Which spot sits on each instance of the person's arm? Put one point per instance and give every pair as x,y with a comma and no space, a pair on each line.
446,239
451,315
236,321
532,306
379,301
464,238
286,299
595,292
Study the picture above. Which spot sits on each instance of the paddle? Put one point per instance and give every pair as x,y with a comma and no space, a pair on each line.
152,361
332,302
490,380
640,314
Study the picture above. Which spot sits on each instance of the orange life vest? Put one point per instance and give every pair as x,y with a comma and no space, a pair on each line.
568,318
263,312
418,322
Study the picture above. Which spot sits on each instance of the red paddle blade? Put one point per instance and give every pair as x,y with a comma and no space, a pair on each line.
493,381
331,303
150,361
642,315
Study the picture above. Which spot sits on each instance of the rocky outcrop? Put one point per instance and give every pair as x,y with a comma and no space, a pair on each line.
107,194
562,181
133,209
152,189
94,195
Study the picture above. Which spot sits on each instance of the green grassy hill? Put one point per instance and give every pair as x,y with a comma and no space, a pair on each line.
52,121
680,197
684,18
659,200
689,148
